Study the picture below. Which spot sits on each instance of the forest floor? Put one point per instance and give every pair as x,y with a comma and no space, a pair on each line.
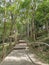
21,55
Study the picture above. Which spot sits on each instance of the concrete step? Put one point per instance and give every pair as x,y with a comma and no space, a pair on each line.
22,41
20,46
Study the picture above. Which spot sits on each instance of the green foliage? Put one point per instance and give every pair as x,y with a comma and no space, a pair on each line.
1,10
42,13
25,4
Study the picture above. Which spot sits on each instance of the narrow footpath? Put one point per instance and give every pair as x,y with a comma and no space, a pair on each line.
20,55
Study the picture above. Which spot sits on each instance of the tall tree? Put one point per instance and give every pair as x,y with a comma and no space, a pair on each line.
33,20
4,29
11,28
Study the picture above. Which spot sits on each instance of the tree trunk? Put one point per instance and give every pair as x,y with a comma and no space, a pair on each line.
28,29
47,29
4,33
11,28
33,21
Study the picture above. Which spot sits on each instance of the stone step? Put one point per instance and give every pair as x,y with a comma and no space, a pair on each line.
20,46
22,41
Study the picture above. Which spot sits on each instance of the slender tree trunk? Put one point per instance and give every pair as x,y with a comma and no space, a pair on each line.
11,28
16,41
31,30
4,32
47,28
33,20
27,30
15,29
